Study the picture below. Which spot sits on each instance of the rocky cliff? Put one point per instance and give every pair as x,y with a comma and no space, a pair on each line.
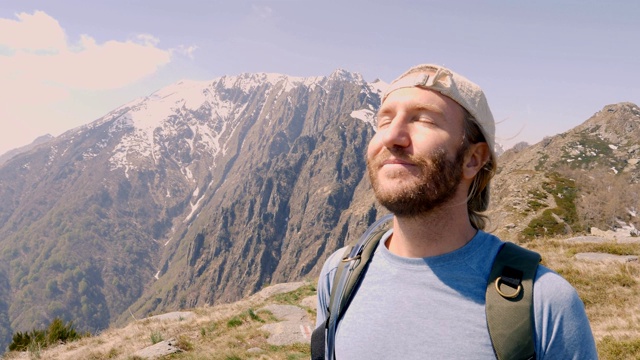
199,193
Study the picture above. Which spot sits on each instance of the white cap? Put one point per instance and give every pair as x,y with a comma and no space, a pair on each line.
454,86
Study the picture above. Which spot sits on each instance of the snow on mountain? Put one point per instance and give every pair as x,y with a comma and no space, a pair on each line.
211,110
366,115
378,86
341,74
369,115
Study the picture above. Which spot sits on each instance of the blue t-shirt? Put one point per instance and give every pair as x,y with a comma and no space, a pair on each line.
434,308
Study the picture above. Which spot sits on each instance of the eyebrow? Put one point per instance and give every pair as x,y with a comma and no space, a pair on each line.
426,107
414,107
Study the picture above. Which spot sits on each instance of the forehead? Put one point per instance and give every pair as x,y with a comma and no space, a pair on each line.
409,98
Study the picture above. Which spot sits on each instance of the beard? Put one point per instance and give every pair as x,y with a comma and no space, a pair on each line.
435,184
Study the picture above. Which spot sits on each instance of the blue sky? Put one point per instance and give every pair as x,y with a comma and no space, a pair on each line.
546,66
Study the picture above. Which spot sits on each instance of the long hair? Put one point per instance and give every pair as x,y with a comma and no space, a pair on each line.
478,195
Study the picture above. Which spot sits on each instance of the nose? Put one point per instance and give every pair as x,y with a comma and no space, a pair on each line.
396,134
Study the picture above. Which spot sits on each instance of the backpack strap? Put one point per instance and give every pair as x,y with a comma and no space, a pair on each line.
509,303
348,273
509,297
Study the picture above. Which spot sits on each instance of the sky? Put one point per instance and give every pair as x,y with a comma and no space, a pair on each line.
546,66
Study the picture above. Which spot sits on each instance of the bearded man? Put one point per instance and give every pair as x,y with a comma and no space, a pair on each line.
422,294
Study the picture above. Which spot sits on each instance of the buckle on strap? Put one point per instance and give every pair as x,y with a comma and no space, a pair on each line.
512,278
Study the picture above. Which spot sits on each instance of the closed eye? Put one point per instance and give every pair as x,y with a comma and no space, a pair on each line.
425,118
384,118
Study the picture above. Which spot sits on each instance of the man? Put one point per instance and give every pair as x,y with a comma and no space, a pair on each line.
422,295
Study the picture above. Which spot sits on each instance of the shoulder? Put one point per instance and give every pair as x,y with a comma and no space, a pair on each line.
552,289
331,265
325,281
561,324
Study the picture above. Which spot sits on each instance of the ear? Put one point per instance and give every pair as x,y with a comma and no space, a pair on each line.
477,155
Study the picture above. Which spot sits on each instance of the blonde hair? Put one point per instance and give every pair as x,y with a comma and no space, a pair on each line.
478,195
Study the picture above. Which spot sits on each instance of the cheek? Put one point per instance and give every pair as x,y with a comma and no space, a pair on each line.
375,145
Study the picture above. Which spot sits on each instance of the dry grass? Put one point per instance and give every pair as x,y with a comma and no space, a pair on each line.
223,332
610,291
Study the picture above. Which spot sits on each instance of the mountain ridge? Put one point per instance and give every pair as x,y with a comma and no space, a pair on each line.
103,209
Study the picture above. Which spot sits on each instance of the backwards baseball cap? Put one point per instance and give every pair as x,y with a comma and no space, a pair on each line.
454,86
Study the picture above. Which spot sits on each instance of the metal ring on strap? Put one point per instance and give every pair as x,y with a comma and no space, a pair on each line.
508,296
347,259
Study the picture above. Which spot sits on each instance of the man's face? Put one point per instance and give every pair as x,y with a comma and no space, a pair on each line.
415,159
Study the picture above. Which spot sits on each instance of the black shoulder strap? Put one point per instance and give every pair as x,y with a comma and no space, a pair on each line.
348,273
509,303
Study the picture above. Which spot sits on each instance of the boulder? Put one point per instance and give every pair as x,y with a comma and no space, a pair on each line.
601,257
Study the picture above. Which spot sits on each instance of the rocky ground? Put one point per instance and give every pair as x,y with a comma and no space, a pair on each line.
280,328
276,323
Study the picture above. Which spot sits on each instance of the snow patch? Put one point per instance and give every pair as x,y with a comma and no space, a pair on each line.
187,172
378,86
52,155
365,115
194,207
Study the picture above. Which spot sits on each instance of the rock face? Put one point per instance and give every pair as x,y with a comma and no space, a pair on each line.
294,326
293,189
601,257
159,350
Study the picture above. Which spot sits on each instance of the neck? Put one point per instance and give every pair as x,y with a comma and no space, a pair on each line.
438,232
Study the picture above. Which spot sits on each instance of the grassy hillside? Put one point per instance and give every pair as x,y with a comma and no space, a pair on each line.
225,332
610,291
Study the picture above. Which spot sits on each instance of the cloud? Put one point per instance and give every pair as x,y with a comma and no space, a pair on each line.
32,33
185,50
40,55
40,68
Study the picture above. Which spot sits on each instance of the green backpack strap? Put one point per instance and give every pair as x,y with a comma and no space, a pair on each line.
347,275
509,302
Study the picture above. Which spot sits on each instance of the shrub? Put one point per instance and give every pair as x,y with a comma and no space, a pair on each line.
254,316
156,337
234,322
57,332
564,192
21,341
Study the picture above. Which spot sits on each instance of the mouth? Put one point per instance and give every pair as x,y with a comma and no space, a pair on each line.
396,161
396,165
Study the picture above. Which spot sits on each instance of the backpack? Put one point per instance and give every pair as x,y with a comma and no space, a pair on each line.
509,296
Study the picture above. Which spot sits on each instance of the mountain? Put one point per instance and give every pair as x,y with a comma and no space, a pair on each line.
11,153
200,193
205,192
586,177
